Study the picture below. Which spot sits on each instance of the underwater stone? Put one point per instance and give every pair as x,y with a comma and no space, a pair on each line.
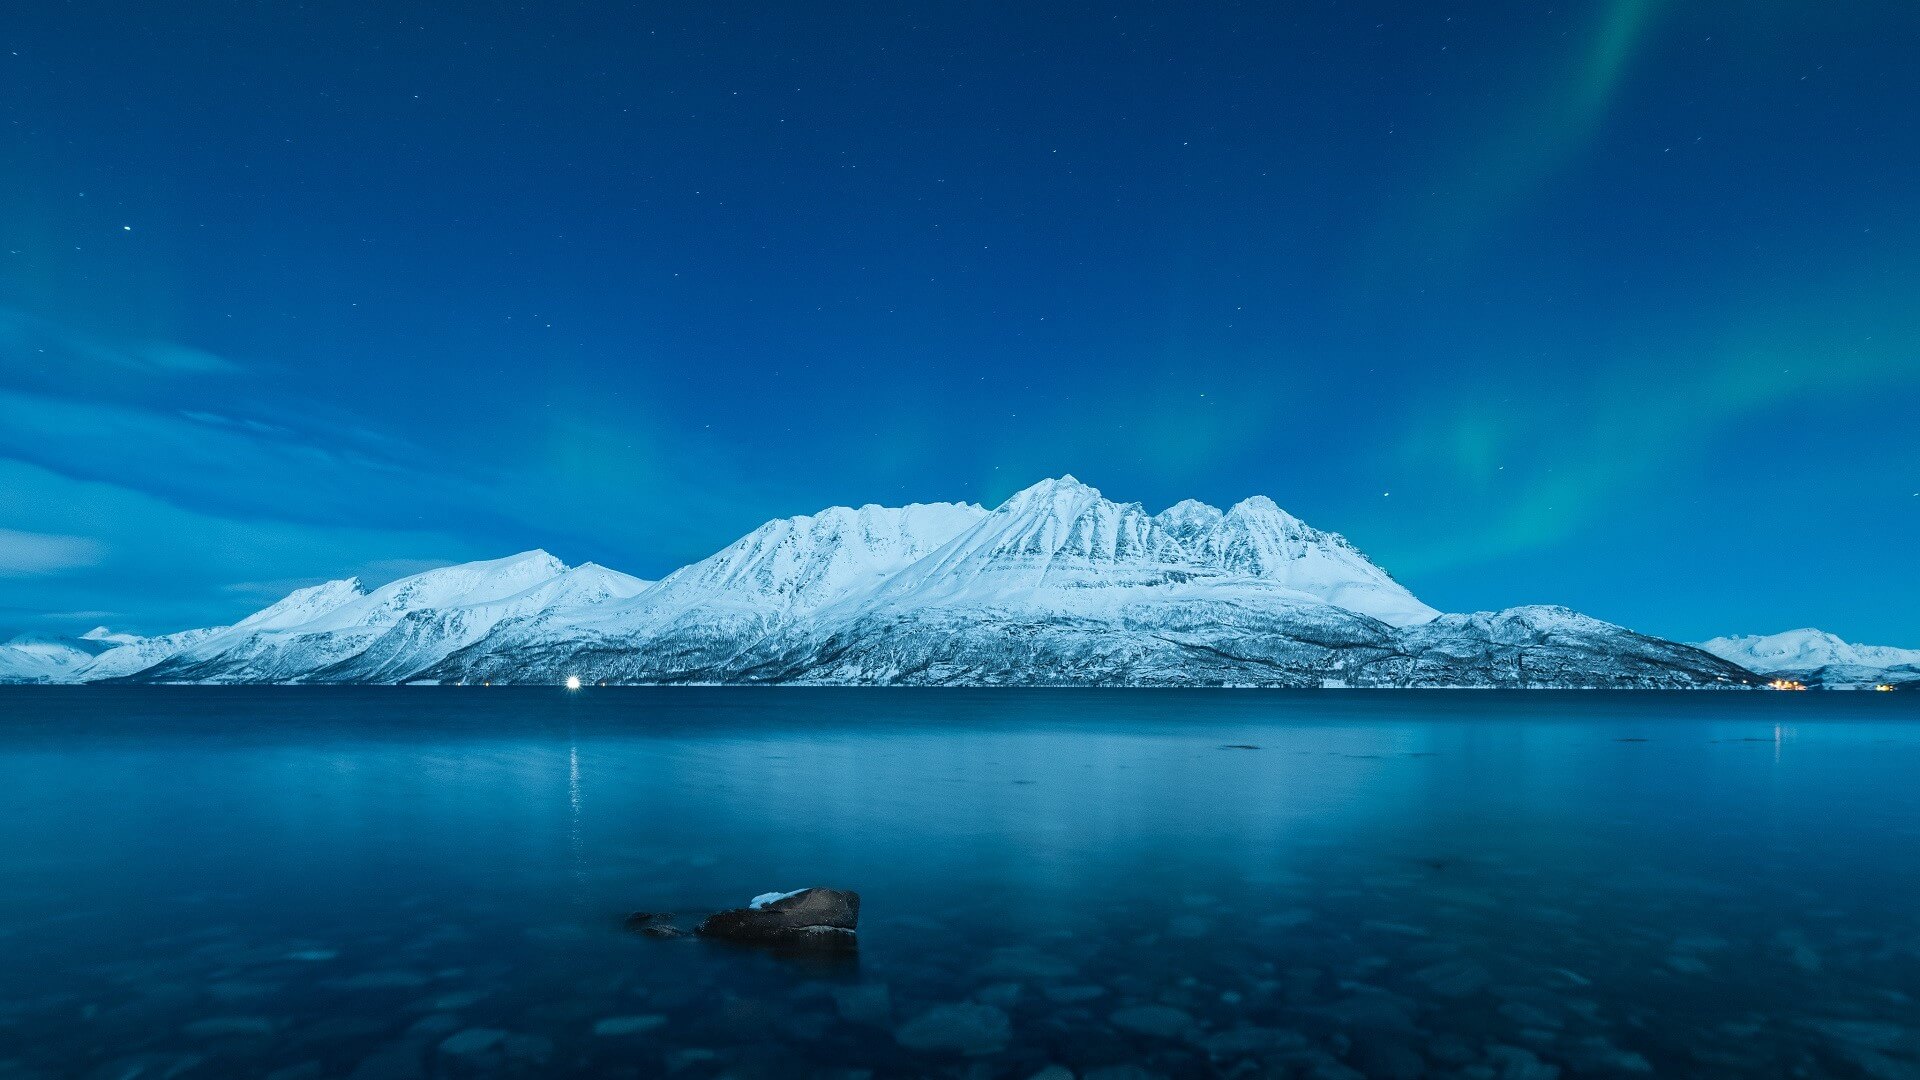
1159,1021
964,1029
864,1003
614,1026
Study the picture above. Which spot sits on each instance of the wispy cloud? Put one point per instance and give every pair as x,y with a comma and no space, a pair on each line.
170,567
31,554
27,341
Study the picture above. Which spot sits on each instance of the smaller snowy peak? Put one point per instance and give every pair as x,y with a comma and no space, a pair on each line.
580,586
1066,519
1806,649
304,605
1258,539
799,563
1057,532
1528,620
1262,509
101,633
1057,493
455,586
141,654
1188,520
48,657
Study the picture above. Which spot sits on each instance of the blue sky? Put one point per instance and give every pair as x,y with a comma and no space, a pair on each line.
1609,305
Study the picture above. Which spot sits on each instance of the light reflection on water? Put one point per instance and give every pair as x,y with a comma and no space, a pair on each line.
1443,882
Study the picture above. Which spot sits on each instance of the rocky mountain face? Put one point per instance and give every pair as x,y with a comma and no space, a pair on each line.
1056,586
1819,659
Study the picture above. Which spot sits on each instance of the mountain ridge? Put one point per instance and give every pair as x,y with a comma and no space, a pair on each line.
1058,585
1817,658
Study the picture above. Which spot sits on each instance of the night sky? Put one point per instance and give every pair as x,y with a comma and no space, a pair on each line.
1614,304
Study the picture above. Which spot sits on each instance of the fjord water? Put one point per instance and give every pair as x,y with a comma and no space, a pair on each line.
405,882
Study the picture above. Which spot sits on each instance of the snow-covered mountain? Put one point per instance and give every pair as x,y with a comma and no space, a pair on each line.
339,632
1056,586
41,658
1818,658
697,623
1059,547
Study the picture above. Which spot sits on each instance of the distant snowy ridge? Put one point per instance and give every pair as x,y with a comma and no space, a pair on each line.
1819,659
1056,586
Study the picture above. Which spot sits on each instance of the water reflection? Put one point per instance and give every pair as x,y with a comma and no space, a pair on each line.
234,882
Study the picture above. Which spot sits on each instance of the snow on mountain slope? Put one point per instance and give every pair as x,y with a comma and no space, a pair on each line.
134,655
1056,586
1060,546
424,637
1544,646
1804,650
1057,535
37,658
699,619
1184,639
1060,586
1259,540
799,564
447,587
140,654
1188,520
314,631
1818,658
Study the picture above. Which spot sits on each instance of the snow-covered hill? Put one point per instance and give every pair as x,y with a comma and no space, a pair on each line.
338,632
1056,586
1818,658
44,658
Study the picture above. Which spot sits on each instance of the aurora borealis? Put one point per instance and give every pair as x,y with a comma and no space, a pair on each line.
1609,305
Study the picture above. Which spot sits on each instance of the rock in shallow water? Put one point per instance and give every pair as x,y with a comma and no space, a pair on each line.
864,1003
812,918
1159,1021
616,1026
654,924
965,1029
215,1027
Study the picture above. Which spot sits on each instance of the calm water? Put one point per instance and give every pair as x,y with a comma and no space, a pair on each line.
388,883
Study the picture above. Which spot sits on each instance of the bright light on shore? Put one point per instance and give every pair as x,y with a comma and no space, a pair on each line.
573,682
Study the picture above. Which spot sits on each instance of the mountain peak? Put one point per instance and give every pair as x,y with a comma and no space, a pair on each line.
300,605
1062,486
1188,520
798,563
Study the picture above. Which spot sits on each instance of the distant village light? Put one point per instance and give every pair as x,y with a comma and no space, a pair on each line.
573,682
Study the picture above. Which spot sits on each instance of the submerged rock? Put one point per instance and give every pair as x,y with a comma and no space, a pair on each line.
654,924
1158,1021
964,1029
617,1026
472,1041
215,1027
864,1003
813,918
